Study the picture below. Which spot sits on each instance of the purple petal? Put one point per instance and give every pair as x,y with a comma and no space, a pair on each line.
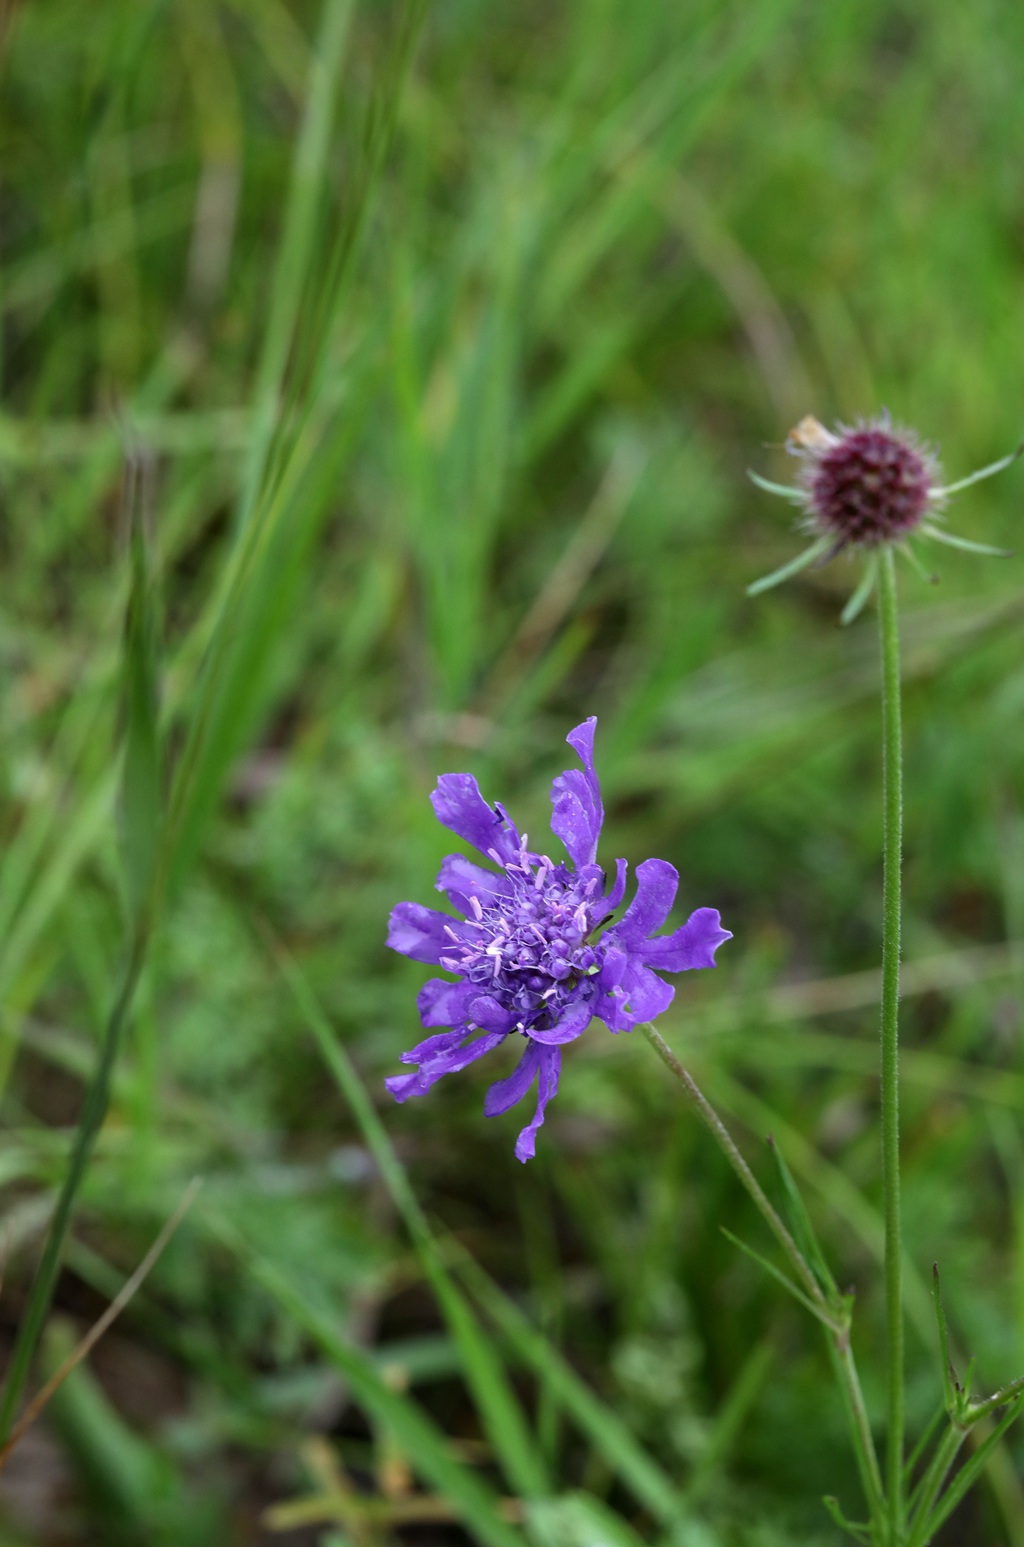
576,797
505,1093
464,1056
641,996
693,944
656,883
402,1086
485,1011
572,1023
429,1048
445,1057
618,890
444,1004
460,880
420,932
550,1064
612,969
459,805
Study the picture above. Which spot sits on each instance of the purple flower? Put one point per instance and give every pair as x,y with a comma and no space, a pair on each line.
533,952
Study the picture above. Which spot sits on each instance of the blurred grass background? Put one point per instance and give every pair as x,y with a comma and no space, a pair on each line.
440,338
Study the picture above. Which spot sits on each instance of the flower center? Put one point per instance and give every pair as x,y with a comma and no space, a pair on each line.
529,950
870,487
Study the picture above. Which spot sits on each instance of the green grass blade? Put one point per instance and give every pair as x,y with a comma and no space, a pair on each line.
602,1426
499,1409
427,1449
142,767
142,821
238,678
297,242
90,1122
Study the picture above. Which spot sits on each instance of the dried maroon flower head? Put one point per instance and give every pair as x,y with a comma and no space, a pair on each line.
869,485
864,488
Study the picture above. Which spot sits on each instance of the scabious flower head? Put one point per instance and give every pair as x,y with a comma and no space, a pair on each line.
866,486
531,948
862,489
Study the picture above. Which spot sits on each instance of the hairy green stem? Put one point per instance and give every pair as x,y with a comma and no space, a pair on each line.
892,837
723,1138
90,1122
846,1374
931,1484
837,1331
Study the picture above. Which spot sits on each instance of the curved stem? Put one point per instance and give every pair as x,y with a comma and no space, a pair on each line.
724,1139
892,798
837,1331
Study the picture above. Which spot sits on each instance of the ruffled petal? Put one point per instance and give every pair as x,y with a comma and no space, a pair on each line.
505,1093
576,798
570,1025
421,932
612,969
640,996
460,880
444,1004
459,805
656,883
618,890
549,1066
430,1047
445,1057
693,944
485,1011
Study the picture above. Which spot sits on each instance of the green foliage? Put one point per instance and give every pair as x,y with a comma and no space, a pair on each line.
444,337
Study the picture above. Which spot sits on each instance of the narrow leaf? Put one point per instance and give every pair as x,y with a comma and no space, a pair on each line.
969,1473
858,601
983,472
785,489
778,1275
799,1222
815,551
948,1372
860,1531
964,543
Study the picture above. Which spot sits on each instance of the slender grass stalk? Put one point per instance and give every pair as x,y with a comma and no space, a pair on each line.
89,1125
892,839
96,1331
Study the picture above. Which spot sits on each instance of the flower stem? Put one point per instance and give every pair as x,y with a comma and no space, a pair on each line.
931,1483
892,837
727,1145
837,1329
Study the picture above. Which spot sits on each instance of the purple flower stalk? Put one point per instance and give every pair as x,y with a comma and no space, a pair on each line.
532,952
867,487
